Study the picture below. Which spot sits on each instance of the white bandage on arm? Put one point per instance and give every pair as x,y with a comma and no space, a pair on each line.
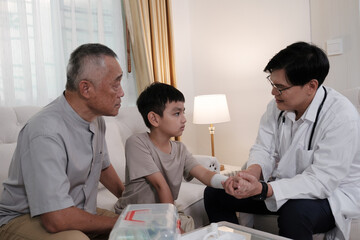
216,180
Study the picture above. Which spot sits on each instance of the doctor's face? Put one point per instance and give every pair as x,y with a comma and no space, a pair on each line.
288,97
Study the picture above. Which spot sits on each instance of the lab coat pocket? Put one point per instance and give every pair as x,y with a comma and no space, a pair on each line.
304,158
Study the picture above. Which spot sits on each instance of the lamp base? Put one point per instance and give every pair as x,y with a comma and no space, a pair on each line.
222,167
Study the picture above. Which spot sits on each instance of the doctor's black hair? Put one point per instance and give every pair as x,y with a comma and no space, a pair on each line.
155,97
302,62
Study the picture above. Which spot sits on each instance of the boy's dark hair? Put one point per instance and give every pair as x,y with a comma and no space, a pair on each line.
302,62
155,97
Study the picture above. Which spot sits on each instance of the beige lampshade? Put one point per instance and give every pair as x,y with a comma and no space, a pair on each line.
210,109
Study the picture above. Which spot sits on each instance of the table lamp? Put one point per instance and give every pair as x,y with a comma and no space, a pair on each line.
211,109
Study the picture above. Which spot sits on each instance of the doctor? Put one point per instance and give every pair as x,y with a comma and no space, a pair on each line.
305,163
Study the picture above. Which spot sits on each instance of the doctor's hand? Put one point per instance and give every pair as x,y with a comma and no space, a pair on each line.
246,185
232,185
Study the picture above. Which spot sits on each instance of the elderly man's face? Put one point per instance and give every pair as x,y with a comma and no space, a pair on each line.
108,91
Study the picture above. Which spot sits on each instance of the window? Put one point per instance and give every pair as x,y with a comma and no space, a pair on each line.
37,38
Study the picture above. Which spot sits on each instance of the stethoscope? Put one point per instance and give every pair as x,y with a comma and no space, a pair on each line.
316,119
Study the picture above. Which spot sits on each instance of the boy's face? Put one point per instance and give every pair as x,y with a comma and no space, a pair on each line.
173,120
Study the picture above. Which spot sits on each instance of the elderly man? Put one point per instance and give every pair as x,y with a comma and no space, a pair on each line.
61,156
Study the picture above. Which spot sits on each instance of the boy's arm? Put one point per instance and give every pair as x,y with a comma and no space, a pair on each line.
162,188
202,174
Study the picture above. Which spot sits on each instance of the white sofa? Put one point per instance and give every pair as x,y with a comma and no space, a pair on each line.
119,128
268,223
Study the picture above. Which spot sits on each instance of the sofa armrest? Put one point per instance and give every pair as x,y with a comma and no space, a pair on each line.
207,162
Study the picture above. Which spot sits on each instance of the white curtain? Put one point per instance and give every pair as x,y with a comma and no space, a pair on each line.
37,37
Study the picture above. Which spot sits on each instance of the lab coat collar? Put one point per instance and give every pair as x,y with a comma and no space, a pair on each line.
311,111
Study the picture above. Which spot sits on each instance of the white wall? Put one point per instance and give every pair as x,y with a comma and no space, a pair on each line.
333,19
222,46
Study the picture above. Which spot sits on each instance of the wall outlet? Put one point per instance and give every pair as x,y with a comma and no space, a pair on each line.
334,47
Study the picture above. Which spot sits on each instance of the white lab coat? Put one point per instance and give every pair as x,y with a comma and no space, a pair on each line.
331,169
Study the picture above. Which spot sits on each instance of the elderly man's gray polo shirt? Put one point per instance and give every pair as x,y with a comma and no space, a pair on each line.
56,164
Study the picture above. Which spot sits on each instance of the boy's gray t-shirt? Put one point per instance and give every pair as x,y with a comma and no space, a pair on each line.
143,158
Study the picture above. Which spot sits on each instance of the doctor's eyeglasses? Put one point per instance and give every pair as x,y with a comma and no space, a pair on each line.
278,90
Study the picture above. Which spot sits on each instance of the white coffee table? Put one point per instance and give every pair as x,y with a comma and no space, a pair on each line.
243,233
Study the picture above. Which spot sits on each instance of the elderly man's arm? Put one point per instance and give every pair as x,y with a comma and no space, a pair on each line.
112,181
73,218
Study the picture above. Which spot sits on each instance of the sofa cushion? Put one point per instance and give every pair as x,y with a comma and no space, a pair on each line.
189,194
130,121
9,125
12,119
105,199
6,151
115,147
353,94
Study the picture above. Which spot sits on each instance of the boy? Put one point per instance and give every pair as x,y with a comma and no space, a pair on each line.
155,165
